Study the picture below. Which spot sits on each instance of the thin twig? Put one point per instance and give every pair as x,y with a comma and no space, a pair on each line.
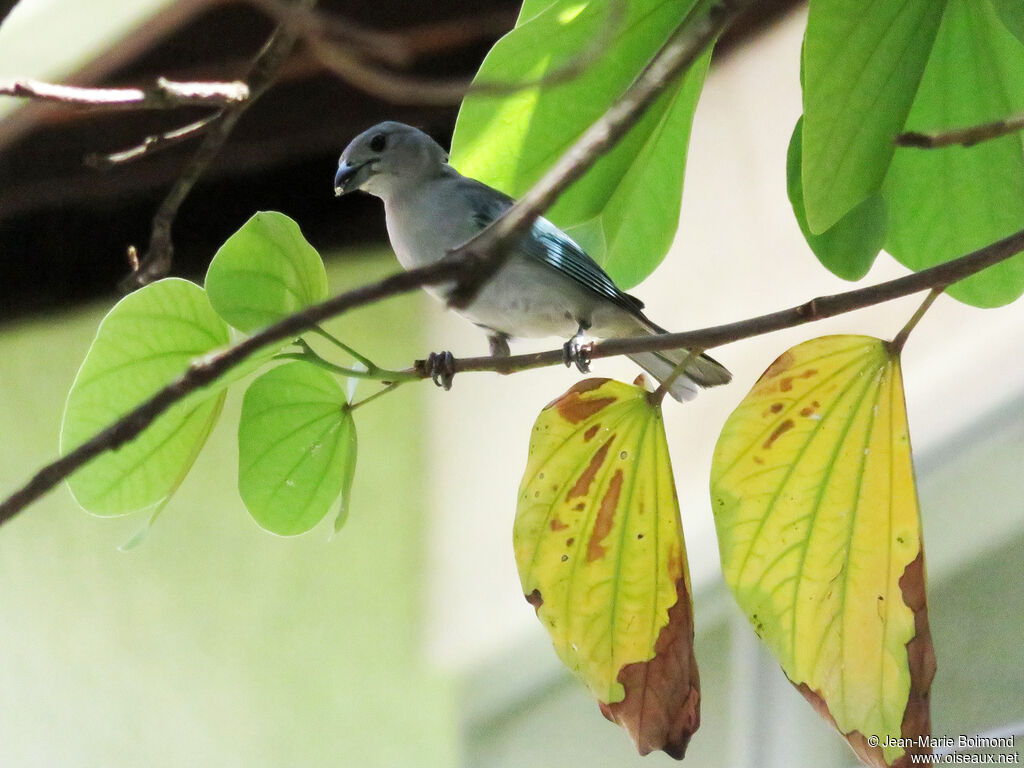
685,45
347,63
213,366
152,144
166,94
963,136
265,67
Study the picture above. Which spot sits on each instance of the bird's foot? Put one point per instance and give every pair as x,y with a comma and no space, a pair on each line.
575,352
441,368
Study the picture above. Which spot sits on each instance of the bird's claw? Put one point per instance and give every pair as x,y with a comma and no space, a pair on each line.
573,352
441,368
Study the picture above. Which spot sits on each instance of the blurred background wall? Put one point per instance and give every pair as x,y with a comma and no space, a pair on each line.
405,639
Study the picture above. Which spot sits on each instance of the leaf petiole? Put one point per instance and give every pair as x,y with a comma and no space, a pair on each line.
370,365
389,388
310,355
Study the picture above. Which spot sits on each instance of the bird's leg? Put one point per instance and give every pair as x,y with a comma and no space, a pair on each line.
441,368
498,342
575,351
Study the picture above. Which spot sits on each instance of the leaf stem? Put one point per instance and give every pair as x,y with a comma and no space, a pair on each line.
896,345
370,365
379,393
310,355
656,397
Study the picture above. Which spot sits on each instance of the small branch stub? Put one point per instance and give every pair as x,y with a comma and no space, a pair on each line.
966,137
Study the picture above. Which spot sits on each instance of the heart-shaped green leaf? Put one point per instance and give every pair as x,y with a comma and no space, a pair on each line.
264,272
296,448
146,341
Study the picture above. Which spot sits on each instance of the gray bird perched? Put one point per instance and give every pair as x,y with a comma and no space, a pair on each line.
548,286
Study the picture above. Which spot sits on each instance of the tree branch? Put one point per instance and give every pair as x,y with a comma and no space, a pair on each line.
477,256
166,94
158,257
210,368
468,263
964,136
937,277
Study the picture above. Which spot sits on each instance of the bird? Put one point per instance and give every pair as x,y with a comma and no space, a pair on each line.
547,286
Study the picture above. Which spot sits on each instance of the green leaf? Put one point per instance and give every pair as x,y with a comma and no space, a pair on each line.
812,485
600,551
625,210
146,341
264,272
862,63
1012,14
531,8
296,447
947,202
848,248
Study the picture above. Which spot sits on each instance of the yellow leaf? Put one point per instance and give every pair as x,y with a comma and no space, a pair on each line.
819,530
599,546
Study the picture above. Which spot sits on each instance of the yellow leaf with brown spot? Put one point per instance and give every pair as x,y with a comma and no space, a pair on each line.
812,486
600,551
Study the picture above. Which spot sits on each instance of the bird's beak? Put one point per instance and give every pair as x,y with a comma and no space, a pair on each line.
350,177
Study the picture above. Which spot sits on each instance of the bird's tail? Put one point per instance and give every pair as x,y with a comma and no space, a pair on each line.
701,371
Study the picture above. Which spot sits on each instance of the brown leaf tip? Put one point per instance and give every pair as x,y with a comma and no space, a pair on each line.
921,660
661,708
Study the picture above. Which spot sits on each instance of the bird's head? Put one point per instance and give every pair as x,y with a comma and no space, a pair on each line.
385,156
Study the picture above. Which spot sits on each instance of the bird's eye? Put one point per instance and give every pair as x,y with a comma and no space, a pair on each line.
378,142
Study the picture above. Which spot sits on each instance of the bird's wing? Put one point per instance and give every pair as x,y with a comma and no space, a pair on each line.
549,245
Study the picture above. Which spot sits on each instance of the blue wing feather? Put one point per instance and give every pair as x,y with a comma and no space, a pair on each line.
549,245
